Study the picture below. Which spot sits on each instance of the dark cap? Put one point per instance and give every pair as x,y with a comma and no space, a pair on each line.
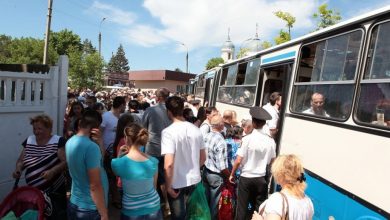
195,102
259,113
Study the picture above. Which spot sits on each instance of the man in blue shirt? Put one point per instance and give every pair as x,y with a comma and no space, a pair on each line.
89,181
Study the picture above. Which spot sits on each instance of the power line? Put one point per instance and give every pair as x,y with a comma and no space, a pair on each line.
78,3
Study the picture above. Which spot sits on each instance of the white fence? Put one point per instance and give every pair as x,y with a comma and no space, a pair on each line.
25,91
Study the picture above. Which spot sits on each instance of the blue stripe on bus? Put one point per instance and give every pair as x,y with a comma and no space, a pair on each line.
330,202
278,57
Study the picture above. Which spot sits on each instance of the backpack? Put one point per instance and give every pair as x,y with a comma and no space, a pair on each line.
225,211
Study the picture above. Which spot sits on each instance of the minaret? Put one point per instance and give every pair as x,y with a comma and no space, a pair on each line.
227,50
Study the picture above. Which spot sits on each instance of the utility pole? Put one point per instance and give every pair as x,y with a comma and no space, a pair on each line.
100,36
186,54
48,22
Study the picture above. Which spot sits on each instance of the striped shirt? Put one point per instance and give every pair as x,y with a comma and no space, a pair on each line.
139,195
216,148
38,159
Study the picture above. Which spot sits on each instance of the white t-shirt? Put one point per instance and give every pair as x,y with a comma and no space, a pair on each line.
205,128
185,141
108,125
310,111
257,149
273,123
298,209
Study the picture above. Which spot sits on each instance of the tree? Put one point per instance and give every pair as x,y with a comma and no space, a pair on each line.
5,53
64,40
24,50
119,62
85,64
88,47
93,67
288,18
214,62
242,52
266,44
283,37
327,17
112,66
85,69
177,69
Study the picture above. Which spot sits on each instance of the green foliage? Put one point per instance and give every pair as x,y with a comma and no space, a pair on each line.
88,47
242,52
85,69
266,44
287,17
64,40
214,62
85,64
5,53
177,69
283,37
326,17
118,62
24,51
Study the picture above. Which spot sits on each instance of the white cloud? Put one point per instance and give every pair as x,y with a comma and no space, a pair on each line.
200,23
143,35
204,22
113,14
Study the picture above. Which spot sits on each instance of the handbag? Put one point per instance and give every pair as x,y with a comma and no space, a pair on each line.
284,209
226,209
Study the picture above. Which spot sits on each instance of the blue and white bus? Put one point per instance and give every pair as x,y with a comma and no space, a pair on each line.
204,86
346,152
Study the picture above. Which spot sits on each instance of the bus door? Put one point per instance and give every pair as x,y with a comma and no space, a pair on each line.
275,79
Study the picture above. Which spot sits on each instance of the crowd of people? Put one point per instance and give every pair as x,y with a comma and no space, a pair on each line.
146,153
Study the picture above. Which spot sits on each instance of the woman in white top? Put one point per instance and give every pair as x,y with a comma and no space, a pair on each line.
287,171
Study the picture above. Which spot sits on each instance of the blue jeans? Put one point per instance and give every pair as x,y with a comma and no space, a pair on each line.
179,204
212,183
153,216
76,213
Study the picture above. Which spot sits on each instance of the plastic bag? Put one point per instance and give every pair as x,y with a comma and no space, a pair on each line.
198,208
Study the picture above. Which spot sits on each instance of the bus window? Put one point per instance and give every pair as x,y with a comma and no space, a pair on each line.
374,99
241,73
241,82
378,62
336,105
252,72
231,76
225,94
244,95
334,59
325,69
224,76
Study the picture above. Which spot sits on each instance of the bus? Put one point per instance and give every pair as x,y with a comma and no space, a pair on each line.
204,86
346,152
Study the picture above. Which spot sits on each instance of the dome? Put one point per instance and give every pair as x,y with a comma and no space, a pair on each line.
253,45
228,45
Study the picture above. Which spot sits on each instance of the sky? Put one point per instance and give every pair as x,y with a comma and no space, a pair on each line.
156,34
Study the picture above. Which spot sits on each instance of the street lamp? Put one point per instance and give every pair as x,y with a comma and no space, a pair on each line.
186,55
100,36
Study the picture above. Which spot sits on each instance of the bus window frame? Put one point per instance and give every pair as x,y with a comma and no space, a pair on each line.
363,81
255,85
202,77
358,72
